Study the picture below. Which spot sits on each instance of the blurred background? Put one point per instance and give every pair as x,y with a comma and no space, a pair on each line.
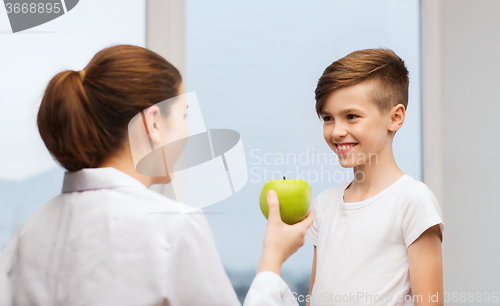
254,67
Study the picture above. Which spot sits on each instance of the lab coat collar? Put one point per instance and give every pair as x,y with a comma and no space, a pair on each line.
97,178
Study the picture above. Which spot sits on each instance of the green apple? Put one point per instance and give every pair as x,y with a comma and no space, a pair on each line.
294,197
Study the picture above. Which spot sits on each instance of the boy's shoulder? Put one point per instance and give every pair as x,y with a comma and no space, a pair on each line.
415,194
412,190
328,197
416,190
409,188
330,193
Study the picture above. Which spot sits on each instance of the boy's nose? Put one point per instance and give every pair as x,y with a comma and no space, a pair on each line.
338,132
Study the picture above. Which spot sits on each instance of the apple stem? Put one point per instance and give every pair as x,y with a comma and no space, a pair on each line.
283,177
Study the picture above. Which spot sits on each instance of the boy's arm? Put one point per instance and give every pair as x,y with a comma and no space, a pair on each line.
313,274
426,268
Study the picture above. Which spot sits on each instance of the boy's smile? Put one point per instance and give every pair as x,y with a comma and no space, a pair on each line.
344,147
353,126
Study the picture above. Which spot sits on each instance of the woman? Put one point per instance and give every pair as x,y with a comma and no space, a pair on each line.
98,242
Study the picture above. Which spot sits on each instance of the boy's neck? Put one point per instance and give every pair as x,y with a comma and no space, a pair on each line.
375,175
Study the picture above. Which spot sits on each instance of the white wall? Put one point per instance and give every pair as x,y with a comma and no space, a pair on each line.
466,62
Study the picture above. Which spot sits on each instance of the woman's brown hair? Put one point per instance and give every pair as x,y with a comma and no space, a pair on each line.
84,117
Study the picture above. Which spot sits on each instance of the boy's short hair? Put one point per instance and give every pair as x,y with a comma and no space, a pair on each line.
381,65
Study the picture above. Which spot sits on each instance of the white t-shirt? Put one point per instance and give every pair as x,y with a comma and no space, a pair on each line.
362,246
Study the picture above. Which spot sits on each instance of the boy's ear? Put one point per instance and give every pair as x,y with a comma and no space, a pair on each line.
397,117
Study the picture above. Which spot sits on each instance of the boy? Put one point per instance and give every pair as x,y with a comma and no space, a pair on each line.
377,239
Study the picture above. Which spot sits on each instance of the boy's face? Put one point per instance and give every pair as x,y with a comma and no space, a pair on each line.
351,118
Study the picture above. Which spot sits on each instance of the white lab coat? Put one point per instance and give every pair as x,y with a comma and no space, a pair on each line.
109,240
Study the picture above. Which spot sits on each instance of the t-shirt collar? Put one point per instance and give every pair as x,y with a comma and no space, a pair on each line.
363,203
97,178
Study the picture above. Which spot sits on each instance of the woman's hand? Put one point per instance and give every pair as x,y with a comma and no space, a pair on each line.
281,240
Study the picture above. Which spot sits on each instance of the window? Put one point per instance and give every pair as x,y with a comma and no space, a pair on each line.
254,66
29,177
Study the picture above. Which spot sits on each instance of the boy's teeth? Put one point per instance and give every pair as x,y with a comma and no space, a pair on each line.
343,147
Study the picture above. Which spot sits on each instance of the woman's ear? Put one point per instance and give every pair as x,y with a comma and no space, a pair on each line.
397,117
153,123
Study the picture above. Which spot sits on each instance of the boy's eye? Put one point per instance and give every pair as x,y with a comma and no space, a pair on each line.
352,115
327,118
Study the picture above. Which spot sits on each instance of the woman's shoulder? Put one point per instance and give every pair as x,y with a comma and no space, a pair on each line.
150,205
142,200
163,221
116,211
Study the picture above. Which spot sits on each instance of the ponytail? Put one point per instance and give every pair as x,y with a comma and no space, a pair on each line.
83,116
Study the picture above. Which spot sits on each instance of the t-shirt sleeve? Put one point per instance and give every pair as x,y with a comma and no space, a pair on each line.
419,211
313,230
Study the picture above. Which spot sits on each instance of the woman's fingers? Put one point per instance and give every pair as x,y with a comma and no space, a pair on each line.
274,211
274,205
306,222
280,239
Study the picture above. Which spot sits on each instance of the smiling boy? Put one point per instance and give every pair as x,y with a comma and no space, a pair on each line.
377,239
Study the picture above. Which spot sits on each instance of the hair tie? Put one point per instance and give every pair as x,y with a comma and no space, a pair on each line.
82,74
